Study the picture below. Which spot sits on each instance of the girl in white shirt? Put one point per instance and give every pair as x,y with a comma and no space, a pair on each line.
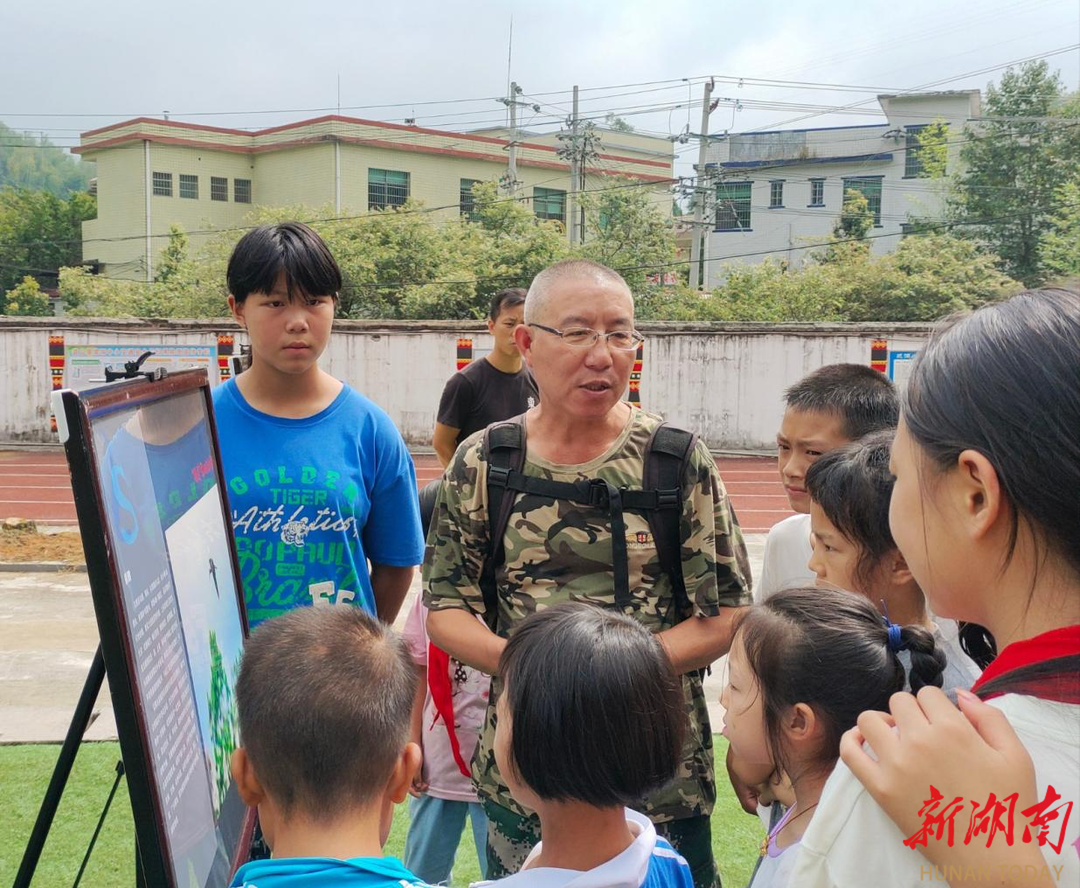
984,510
853,548
803,664
591,719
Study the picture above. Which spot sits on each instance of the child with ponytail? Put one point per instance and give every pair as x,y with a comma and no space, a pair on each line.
803,665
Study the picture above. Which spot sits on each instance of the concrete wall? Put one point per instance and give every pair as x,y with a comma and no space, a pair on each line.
723,381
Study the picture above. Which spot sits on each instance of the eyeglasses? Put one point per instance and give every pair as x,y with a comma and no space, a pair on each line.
585,337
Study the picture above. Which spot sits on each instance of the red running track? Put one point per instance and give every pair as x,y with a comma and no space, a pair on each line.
35,485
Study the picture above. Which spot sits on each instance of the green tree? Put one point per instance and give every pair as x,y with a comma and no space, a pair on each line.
850,231
625,229
34,163
174,255
26,298
40,232
1059,244
932,145
1013,163
613,122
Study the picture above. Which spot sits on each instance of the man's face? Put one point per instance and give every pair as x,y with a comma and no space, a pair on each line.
584,382
502,329
804,435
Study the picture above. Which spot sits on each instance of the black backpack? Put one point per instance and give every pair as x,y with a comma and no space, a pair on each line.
659,499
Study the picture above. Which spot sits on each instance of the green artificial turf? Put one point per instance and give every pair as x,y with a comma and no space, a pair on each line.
25,771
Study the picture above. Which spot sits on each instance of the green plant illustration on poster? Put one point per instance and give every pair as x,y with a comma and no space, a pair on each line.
221,702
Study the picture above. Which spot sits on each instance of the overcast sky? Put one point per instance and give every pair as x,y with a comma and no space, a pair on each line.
106,61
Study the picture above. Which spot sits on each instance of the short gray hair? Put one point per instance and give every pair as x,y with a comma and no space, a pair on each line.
537,297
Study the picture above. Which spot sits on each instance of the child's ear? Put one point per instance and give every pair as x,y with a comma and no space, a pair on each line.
247,781
980,499
899,572
800,723
236,309
408,764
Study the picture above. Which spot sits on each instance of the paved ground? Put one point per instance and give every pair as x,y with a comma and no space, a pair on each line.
34,484
47,639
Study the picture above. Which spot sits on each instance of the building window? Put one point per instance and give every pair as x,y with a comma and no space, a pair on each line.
733,206
241,190
163,184
219,188
465,197
870,188
776,194
915,153
189,186
549,203
817,192
387,188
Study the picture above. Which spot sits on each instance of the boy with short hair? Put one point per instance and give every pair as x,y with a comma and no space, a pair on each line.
833,406
324,696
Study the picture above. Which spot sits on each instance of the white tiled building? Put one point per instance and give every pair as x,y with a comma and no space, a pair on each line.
780,192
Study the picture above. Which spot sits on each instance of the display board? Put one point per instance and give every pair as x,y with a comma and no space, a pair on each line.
84,365
162,567
900,366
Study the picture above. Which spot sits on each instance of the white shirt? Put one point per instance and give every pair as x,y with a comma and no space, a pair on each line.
851,841
647,863
787,552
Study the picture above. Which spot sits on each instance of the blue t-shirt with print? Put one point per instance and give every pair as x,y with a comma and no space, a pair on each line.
313,500
326,872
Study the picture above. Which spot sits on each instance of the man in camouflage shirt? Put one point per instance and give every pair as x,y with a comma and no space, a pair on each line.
558,551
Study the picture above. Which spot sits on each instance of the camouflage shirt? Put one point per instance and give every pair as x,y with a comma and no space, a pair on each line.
560,551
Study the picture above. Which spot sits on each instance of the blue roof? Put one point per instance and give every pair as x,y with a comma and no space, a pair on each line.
799,161
809,129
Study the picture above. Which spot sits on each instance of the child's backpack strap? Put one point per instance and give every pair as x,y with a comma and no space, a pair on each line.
504,451
667,456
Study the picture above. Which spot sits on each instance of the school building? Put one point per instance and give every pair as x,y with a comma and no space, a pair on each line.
780,192
154,173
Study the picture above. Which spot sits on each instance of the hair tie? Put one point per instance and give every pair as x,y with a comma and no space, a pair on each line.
894,640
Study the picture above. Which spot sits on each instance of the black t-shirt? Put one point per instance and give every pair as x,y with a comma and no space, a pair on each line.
479,395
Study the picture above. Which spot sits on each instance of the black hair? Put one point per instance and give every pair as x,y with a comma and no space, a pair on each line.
852,484
864,399
1005,381
597,711
290,247
311,680
829,649
505,299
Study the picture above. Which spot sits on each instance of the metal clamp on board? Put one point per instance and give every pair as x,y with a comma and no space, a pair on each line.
133,370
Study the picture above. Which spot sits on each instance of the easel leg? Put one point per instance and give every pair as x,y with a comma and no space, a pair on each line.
64,762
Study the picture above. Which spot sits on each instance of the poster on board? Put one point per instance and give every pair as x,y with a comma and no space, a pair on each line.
900,364
84,365
162,568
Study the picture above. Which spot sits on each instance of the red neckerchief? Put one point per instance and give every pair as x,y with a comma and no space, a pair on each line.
442,696
1046,666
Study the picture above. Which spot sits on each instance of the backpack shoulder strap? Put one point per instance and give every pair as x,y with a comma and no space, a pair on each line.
667,456
504,451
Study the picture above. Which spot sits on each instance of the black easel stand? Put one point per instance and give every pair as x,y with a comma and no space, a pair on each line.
80,721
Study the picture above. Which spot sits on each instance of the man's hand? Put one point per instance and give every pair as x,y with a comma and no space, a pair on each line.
465,638
746,793
699,641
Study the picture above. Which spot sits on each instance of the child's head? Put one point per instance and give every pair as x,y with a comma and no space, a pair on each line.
803,664
506,312
324,696
849,491
591,709
987,463
283,287
832,406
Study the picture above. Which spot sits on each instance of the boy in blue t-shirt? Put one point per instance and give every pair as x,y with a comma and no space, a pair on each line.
324,696
319,480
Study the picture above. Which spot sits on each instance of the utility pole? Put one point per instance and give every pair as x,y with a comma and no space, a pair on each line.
699,192
575,173
512,103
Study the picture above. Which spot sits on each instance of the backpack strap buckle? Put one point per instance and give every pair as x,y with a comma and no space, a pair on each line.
498,475
594,492
667,499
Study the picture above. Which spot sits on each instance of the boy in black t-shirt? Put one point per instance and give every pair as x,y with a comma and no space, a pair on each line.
496,388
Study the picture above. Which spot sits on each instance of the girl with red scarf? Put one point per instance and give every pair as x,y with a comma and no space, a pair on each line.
985,511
